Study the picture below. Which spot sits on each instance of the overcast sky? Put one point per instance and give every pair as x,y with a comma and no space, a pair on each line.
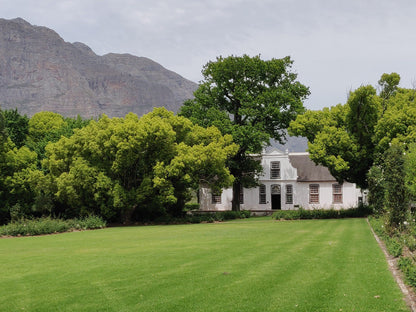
336,45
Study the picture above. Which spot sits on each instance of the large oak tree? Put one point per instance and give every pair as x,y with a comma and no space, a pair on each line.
251,99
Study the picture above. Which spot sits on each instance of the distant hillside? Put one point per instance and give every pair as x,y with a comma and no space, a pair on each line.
293,144
40,71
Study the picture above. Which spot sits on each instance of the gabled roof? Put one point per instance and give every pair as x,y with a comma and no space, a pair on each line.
308,171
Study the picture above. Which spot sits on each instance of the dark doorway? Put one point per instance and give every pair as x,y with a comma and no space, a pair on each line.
276,197
276,202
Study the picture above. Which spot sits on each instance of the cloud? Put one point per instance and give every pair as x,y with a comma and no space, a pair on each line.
336,45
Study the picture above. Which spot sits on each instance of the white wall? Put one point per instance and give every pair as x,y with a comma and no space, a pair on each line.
288,175
350,196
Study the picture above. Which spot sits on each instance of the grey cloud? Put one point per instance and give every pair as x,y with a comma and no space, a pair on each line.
336,44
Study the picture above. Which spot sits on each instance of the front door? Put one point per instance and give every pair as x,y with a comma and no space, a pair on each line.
276,197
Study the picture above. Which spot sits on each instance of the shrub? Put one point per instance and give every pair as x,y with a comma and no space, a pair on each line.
40,226
87,223
191,207
393,243
230,215
245,214
24,227
393,246
361,211
197,217
410,242
407,266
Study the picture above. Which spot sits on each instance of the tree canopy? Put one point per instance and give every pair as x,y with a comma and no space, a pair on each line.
349,138
125,168
251,99
121,169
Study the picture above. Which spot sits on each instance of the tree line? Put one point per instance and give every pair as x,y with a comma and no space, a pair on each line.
122,169
371,141
137,169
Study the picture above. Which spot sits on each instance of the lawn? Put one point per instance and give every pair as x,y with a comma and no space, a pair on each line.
245,265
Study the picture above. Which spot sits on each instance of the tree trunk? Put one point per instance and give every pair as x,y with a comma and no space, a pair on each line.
236,196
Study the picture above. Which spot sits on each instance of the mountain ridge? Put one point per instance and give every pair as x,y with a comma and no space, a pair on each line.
40,71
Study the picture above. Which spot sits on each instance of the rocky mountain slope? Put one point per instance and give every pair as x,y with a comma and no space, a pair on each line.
40,71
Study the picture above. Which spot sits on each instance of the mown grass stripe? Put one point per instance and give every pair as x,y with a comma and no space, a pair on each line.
250,265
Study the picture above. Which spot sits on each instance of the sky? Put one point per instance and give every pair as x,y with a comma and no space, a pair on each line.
336,45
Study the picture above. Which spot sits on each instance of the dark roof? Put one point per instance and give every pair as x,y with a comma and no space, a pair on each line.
308,171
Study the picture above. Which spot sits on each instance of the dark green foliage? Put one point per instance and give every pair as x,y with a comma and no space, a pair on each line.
408,267
17,126
397,240
359,212
361,120
199,217
378,225
194,206
409,241
376,188
47,225
87,223
3,133
396,203
230,215
393,245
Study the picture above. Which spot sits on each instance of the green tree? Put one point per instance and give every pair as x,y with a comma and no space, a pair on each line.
252,100
398,121
2,128
376,187
3,138
15,164
388,84
124,168
44,127
48,127
17,126
410,171
396,199
349,138
340,138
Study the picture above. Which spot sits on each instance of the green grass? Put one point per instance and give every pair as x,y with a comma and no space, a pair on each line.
243,265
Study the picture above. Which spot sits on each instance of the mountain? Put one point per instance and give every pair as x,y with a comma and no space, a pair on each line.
40,71
292,144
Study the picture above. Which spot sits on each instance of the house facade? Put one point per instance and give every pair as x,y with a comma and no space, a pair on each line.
289,181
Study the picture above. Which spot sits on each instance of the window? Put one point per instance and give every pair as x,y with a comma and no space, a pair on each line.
216,198
337,193
262,194
289,194
314,193
275,170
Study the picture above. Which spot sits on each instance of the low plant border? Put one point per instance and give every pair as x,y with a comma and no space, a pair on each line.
197,216
402,267
299,214
48,225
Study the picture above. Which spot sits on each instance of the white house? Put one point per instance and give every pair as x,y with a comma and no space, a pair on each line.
289,181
